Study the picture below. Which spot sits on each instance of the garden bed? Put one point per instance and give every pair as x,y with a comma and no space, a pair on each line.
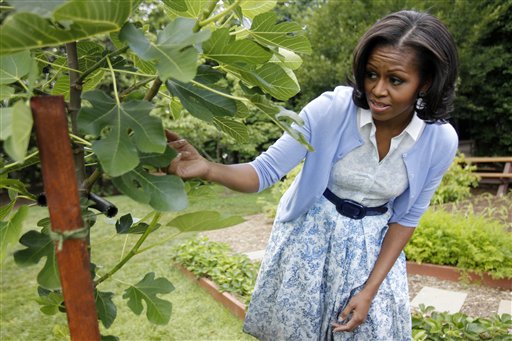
229,301
450,273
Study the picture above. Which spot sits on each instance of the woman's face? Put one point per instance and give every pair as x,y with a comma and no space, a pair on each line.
392,83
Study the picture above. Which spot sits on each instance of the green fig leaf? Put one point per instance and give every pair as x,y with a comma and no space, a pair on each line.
51,303
16,126
39,245
158,311
10,230
125,225
272,78
203,221
186,8
42,8
225,49
14,67
174,48
288,35
105,307
72,21
158,160
5,92
235,129
252,8
161,192
200,102
117,152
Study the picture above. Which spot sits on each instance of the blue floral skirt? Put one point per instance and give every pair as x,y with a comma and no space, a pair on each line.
312,266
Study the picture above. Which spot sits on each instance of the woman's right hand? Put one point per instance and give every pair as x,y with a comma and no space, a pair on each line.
188,163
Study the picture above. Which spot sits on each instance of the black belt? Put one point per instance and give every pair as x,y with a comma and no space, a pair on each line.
352,209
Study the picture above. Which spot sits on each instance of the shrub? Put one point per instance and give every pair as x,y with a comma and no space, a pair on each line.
430,325
468,242
457,182
232,272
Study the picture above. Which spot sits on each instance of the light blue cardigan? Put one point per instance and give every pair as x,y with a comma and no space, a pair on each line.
330,126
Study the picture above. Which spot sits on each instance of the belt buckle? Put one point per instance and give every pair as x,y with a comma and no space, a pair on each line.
351,209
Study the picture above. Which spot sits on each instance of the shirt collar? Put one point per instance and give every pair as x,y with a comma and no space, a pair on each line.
414,128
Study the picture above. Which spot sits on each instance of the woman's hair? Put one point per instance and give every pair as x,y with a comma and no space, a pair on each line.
436,56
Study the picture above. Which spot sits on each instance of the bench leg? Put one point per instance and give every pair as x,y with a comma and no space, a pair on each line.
502,189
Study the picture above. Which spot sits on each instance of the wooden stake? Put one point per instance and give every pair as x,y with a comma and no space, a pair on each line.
63,201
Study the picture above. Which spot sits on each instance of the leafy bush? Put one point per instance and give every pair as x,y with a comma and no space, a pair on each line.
457,182
234,273
430,325
469,242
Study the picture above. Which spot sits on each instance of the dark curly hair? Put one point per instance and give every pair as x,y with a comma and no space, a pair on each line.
436,55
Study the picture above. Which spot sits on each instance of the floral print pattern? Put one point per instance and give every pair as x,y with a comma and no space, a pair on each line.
312,266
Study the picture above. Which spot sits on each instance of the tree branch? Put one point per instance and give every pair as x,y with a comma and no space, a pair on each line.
75,93
99,64
153,91
219,15
91,180
137,85
134,251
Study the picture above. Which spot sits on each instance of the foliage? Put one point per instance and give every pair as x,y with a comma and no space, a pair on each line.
234,273
457,182
484,103
487,205
121,131
112,68
158,310
468,241
428,324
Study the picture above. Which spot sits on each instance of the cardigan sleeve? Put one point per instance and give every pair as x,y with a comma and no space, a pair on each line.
286,153
443,154
278,160
282,156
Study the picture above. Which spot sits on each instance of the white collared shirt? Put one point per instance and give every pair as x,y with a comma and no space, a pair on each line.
360,175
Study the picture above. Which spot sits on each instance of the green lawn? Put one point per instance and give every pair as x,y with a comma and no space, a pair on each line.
195,316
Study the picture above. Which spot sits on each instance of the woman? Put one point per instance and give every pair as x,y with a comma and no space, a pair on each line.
334,267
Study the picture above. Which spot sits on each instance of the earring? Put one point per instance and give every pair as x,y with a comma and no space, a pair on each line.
358,94
420,103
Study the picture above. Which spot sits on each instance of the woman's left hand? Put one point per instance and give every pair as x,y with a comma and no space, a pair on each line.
357,308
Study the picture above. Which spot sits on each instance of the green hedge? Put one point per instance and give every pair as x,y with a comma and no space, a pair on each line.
430,325
467,241
232,272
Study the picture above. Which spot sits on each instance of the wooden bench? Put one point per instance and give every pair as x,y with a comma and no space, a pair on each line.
493,170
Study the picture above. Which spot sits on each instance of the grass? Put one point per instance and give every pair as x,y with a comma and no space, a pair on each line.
195,316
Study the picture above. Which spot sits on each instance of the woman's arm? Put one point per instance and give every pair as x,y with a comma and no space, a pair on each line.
394,242
190,164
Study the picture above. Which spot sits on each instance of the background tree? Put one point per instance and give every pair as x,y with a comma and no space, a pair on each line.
482,32
483,109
